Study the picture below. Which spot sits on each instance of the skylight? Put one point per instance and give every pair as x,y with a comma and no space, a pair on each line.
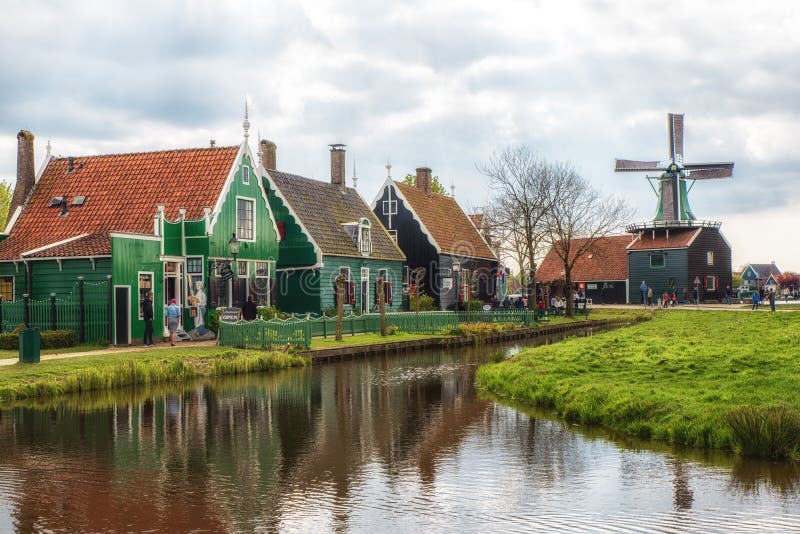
79,200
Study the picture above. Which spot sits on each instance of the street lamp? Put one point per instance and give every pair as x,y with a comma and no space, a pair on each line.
233,246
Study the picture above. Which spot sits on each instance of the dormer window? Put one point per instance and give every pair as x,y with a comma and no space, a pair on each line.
364,237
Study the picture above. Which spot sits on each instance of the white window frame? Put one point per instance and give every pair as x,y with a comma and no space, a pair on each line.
245,175
266,277
390,207
347,278
253,222
242,273
710,257
13,286
365,230
712,286
152,275
393,235
188,276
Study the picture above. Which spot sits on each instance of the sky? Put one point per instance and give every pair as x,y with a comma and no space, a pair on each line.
437,84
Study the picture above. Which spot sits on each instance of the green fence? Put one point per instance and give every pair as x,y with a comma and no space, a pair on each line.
299,329
85,311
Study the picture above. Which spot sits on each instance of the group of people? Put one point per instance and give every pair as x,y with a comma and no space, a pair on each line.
770,295
172,313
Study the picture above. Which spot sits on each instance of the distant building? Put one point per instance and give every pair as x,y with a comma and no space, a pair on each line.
756,276
434,233
602,273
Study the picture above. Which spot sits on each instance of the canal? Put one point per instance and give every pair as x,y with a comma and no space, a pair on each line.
395,443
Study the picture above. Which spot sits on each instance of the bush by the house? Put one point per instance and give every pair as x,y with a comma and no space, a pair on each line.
51,339
425,302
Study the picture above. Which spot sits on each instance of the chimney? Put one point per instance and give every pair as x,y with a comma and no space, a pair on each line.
337,166
26,175
269,154
212,143
424,179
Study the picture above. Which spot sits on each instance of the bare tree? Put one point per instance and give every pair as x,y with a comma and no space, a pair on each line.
521,181
579,216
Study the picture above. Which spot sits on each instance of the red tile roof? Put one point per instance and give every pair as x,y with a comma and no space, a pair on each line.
608,260
122,192
677,239
447,223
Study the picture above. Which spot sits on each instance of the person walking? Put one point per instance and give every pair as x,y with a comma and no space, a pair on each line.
756,299
772,300
728,295
173,314
650,296
147,315
643,288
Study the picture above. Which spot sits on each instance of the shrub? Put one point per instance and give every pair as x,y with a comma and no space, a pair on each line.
425,302
772,431
391,330
329,312
473,305
480,329
269,312
213,321
51,339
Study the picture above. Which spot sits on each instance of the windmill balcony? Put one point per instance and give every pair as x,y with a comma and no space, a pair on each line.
657,225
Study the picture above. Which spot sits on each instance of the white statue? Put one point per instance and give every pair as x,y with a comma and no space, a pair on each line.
199,300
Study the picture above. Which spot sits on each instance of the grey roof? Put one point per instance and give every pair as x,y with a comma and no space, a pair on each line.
323,208
763,270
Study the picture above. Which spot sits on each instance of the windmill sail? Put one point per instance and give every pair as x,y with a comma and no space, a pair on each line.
629,165
709,171
675,126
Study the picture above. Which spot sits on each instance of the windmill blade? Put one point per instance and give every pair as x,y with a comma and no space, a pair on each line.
675,124
629,165
708,171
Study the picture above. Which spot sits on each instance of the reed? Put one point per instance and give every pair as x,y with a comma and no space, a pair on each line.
769,431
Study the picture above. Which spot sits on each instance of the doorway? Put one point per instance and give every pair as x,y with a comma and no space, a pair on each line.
122,315
173,284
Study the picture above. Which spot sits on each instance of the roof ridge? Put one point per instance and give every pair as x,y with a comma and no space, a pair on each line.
145,152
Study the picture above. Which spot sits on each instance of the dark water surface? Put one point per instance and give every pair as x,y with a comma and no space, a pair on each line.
391,444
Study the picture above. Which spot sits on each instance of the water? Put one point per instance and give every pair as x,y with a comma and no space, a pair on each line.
391,444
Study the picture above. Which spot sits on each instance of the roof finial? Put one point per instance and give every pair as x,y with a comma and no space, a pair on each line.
452,188
246,122
260,152
47,156
355,178
389,169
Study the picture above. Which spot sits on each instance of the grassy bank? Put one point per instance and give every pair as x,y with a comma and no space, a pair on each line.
714,380
137,368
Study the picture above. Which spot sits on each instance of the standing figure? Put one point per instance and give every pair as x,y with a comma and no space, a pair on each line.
650,296
728,295
173,314
200,302
643,289
147,315
756,300
772,300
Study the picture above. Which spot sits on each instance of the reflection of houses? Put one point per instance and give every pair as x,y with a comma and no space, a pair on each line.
757,276
435,234
602,272
328,229
155,221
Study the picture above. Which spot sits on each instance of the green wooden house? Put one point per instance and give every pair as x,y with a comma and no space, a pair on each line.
124,224
327,229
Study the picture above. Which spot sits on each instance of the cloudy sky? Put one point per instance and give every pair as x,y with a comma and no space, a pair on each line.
429,83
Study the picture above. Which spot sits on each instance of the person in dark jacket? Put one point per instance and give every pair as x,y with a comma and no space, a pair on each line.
249,310
147,315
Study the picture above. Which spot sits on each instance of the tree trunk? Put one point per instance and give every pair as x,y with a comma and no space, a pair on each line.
339,306
382,305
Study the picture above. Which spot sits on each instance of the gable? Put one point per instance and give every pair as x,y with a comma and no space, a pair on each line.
442,219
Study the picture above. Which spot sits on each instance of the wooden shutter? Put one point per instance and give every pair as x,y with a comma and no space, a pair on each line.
352,294
388,287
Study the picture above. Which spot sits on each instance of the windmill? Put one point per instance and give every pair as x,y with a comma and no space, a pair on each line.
673,194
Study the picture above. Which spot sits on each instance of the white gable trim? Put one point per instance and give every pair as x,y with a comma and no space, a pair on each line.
12,220
131,235
298,220
410,208
692,239
51,245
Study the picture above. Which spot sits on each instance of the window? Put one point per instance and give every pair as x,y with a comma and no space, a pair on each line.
345,271
145,286
656,261
365,273
194,274
709,258
390,207
244,218
261,284
6,288
393,235
364,237
711,283
246,175
242,268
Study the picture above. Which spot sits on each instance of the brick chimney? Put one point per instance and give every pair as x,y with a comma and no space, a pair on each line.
26,175
337,166
424,179
269,154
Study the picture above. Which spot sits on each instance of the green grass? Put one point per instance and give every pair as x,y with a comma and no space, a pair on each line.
364,339
86,347
706,379
136,368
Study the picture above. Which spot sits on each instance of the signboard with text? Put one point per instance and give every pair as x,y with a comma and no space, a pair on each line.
230,315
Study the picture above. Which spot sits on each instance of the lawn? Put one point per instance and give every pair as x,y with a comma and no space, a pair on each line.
708,379
143,367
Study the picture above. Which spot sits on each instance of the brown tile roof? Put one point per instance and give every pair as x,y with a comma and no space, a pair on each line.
323,208
677,239
607,261
477,219
122,192
448,225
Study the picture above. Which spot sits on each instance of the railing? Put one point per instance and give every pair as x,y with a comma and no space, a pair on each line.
85,311
299,329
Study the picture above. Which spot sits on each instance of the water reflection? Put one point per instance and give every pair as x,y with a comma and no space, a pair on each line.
401,443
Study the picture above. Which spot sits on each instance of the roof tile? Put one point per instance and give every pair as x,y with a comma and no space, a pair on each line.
608,260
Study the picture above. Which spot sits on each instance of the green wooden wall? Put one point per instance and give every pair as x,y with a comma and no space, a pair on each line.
295,249
125,272
675,268
331,268
47,277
